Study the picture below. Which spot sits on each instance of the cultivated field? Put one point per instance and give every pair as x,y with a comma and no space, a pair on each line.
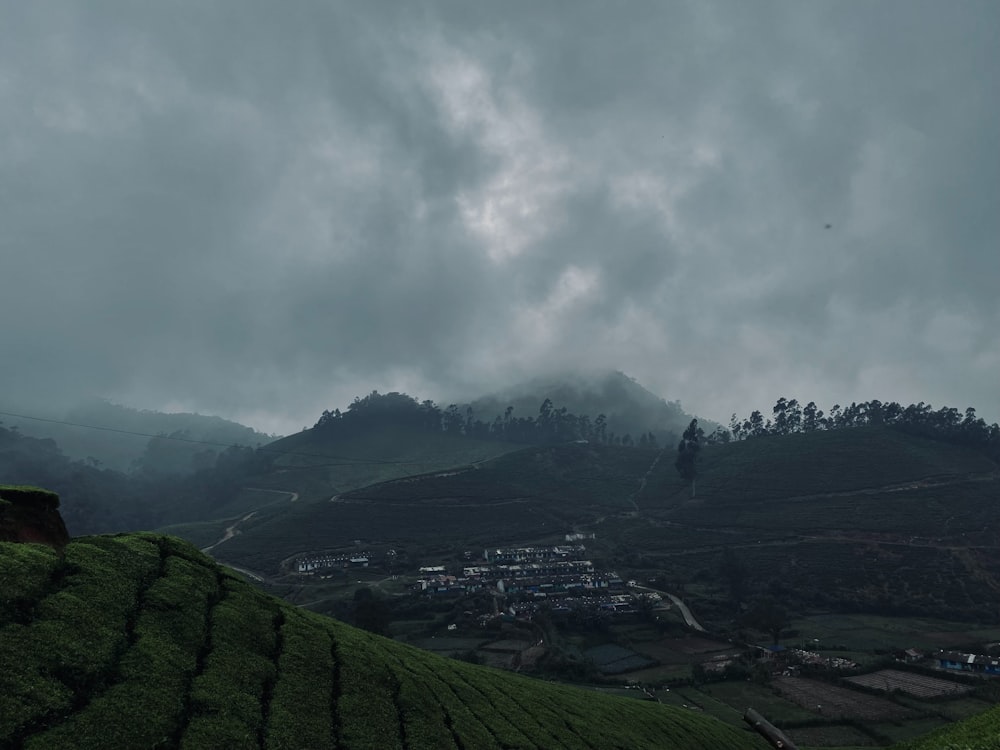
837,702
917,685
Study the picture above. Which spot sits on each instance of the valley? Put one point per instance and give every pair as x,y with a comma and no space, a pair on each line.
858,544
808,566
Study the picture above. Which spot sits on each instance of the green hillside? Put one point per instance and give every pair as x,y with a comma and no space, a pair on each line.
821,463
978,733
869,519
533,492
841,487
329,463
139,640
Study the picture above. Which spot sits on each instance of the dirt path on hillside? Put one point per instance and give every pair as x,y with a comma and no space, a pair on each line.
918,484
292,499
645,478
231,531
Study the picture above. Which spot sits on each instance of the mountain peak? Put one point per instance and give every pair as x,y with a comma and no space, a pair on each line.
630,408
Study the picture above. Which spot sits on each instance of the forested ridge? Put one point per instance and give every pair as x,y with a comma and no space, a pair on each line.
552,424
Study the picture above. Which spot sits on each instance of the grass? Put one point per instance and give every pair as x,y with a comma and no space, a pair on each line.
866,633
374,456
821,463
743,695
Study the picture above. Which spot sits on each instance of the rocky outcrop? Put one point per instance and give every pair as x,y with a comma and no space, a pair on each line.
30,514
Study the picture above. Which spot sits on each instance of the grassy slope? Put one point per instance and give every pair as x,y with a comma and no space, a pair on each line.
814,464
531,493
863,518
314,459
830,484
316,466
141,641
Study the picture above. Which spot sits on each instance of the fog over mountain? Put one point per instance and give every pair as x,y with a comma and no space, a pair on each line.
262,210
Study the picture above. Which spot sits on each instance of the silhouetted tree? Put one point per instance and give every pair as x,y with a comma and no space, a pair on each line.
687,454
811,417
769,616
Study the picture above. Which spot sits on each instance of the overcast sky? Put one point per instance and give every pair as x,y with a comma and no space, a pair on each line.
261,209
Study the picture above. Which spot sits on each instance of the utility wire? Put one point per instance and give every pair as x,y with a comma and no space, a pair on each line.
348,461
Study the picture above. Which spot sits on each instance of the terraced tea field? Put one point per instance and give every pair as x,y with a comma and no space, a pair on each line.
978,733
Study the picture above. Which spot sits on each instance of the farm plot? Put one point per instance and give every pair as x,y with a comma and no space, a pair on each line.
683,650
612,659
838,702
917,685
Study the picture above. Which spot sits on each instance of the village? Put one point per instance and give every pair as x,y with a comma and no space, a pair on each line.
518,579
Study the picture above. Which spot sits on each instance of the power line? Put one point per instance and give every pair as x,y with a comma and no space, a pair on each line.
348,461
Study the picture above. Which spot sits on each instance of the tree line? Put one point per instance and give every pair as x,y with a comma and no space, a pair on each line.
551,425
96,499
788,417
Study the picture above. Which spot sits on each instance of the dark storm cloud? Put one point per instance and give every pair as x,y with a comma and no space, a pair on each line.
263,210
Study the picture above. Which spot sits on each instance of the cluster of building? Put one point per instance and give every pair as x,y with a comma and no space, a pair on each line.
534,554
559,574
973,663
320,564
540,572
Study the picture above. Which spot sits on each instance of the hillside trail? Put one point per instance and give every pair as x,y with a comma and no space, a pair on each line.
233,529
644,480
847,536
292,499
976,570
917,484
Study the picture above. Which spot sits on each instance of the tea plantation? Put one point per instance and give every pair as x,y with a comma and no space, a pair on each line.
978,733
139,640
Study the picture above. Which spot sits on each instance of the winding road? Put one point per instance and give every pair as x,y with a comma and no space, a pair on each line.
233,530
685,611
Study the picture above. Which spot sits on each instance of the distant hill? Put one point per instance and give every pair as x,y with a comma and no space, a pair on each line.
531,493
325,463
141,641
117,437
630,408
870,518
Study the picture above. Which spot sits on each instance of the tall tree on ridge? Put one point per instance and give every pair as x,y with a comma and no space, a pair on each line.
687,454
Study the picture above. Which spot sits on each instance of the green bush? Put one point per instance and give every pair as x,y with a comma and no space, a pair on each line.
25,577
